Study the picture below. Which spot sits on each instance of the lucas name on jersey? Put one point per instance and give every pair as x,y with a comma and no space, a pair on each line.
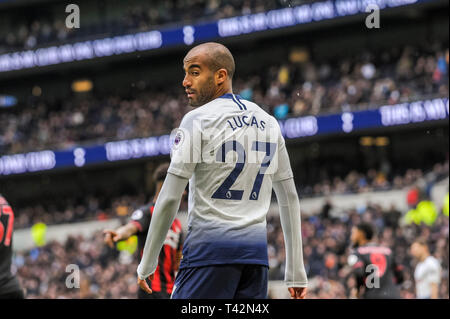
240,121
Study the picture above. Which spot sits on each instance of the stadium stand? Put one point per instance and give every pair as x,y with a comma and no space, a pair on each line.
95,208
364,81
326,243
25,28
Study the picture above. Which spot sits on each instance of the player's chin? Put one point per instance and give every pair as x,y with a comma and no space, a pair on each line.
193,103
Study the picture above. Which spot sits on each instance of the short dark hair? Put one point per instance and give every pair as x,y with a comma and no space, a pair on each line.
218,57
160,172
367,229
222,58
421,241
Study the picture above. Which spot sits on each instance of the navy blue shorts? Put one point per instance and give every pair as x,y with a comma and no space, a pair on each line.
221,282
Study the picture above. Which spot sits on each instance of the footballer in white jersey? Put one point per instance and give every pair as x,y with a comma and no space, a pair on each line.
233,154
427,275
229,150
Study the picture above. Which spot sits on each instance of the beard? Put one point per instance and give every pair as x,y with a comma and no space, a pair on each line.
205,94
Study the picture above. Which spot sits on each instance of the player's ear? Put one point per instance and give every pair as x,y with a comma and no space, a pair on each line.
221,76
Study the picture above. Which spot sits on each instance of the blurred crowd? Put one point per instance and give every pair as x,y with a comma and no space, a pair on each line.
103,272
72,211
101,208
326,243
297,88
354,81
111,18
374,180
108,273
63,124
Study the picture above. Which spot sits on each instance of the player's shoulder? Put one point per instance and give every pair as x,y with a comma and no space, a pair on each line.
192,115
200,113
432,261
3,200
352,258
141,211
374,248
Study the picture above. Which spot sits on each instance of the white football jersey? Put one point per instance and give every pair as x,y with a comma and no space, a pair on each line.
231,151
426,273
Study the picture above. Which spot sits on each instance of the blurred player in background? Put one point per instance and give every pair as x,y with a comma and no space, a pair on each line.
373,266
427,274
225,253
9,285
169,257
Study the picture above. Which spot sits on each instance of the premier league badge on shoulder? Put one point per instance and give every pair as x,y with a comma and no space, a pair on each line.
178,140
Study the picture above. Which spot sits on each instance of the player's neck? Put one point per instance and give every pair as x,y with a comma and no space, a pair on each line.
363,242
223,91
424,256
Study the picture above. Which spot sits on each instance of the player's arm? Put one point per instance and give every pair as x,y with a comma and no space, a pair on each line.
434,290
166,208
185,154
357,270
289,205
121,233
435,278
295,275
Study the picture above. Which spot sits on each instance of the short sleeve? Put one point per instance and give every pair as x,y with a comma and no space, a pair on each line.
141,218
284,170
352,260
186,147
434,275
